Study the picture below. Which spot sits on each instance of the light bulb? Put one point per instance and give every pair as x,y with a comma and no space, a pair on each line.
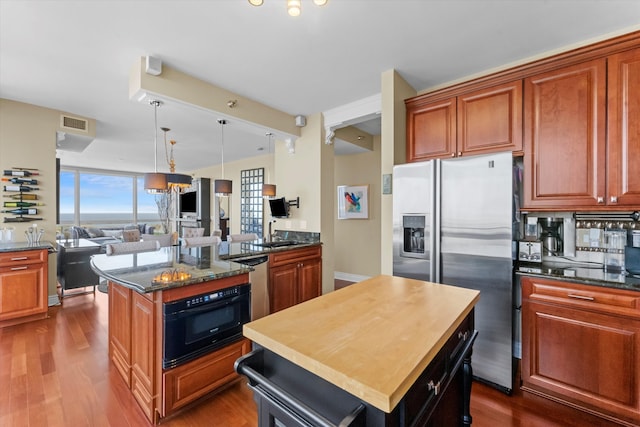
293,7
318,2
256,2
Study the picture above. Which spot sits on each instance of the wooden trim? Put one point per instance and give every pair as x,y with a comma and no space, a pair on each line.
202,288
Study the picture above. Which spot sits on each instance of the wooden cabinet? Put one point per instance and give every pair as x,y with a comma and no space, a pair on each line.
582,135
479,122
564,134
294,276
136,343
23,286
581,347
623,139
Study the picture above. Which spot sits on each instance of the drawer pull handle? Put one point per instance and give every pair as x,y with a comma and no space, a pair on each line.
18,268
463,335
435,387
583,297
21,258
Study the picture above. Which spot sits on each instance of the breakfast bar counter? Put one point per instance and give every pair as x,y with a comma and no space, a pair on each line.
388,345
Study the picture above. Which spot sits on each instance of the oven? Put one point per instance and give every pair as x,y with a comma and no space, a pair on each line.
200,324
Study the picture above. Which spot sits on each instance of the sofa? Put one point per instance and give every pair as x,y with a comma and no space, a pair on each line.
108,234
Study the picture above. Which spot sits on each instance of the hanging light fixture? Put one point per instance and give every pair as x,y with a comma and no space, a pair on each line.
222,187
174,180
269,190
294,7
155,183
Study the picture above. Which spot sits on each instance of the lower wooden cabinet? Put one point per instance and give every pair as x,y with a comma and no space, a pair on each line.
295,276
581,347
23,286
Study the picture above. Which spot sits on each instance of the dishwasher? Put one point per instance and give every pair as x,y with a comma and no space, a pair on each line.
258,279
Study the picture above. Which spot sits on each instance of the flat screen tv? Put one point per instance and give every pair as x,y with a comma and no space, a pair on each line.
279,208
189,203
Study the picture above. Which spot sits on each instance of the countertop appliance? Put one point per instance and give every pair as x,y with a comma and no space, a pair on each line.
463,210
197,325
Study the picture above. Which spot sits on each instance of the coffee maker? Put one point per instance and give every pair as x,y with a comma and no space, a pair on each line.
551,235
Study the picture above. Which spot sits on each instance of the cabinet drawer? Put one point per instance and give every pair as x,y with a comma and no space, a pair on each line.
294,255
22,257
460,337
606,300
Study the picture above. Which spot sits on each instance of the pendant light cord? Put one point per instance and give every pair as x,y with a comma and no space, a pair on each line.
222,123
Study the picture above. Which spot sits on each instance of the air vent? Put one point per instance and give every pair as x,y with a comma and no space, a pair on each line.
75,123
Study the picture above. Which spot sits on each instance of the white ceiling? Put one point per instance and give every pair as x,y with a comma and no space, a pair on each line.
76,56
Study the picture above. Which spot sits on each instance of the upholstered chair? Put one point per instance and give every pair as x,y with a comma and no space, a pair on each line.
132,247
245,237
131,235
192,232
164,239
190,242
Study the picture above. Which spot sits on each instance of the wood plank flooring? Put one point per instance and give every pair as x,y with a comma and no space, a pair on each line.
55,372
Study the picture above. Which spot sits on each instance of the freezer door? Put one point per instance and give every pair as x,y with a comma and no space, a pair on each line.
476,206
413,220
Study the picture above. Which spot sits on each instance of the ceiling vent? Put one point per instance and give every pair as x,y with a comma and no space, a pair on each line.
74,123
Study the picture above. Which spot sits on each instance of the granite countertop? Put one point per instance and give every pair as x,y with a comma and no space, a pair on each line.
589,274
141,271
372,339
25,246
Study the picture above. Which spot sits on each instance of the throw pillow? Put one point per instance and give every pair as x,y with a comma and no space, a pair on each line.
112,233
95,232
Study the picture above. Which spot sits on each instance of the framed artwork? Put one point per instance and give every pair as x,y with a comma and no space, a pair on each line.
353,202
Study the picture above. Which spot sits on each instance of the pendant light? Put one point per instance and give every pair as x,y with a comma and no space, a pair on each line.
269,190
174,180
222,187
155,183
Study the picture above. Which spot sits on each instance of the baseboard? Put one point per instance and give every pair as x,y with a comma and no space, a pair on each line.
53,300
349,277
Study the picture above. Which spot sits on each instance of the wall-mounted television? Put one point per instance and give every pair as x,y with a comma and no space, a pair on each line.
189,203
279,208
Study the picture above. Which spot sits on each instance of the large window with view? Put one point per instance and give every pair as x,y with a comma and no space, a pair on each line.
96,197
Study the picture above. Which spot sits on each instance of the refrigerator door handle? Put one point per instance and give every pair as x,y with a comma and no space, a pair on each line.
435,223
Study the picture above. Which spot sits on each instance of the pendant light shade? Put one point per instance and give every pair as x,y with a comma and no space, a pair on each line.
222,187
268,190
178,180
155,183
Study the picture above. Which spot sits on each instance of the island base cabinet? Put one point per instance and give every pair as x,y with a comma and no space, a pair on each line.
581,347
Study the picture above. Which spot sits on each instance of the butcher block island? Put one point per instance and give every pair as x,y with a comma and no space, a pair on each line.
387,351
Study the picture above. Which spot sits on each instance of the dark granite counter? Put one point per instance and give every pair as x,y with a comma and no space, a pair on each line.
580,273
143,271
24,246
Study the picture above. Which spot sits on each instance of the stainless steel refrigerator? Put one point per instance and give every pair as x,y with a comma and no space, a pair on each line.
452,224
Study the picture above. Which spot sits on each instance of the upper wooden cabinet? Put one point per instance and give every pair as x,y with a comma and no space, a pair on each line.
623,108
582,135
478,122
564,137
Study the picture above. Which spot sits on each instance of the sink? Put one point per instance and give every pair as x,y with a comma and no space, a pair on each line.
277,243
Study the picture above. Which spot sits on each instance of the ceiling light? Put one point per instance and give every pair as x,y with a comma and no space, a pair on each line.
269,190
155,183
222,187
294,7
174,180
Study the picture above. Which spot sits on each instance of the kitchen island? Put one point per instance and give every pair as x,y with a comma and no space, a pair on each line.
168,366
385,351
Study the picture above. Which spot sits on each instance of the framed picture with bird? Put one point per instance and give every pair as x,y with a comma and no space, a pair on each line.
353,202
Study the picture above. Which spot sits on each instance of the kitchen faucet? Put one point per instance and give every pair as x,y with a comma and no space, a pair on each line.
270,236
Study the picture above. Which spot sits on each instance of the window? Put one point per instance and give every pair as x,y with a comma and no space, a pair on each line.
251,202
96,197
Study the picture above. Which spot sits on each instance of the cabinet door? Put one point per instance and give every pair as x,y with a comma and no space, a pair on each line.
23,291
120,330
431,130
310,279
564,137
142,353
490,120
283,287
575,352
623,167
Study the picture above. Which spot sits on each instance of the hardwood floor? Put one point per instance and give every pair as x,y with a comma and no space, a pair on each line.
55,372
